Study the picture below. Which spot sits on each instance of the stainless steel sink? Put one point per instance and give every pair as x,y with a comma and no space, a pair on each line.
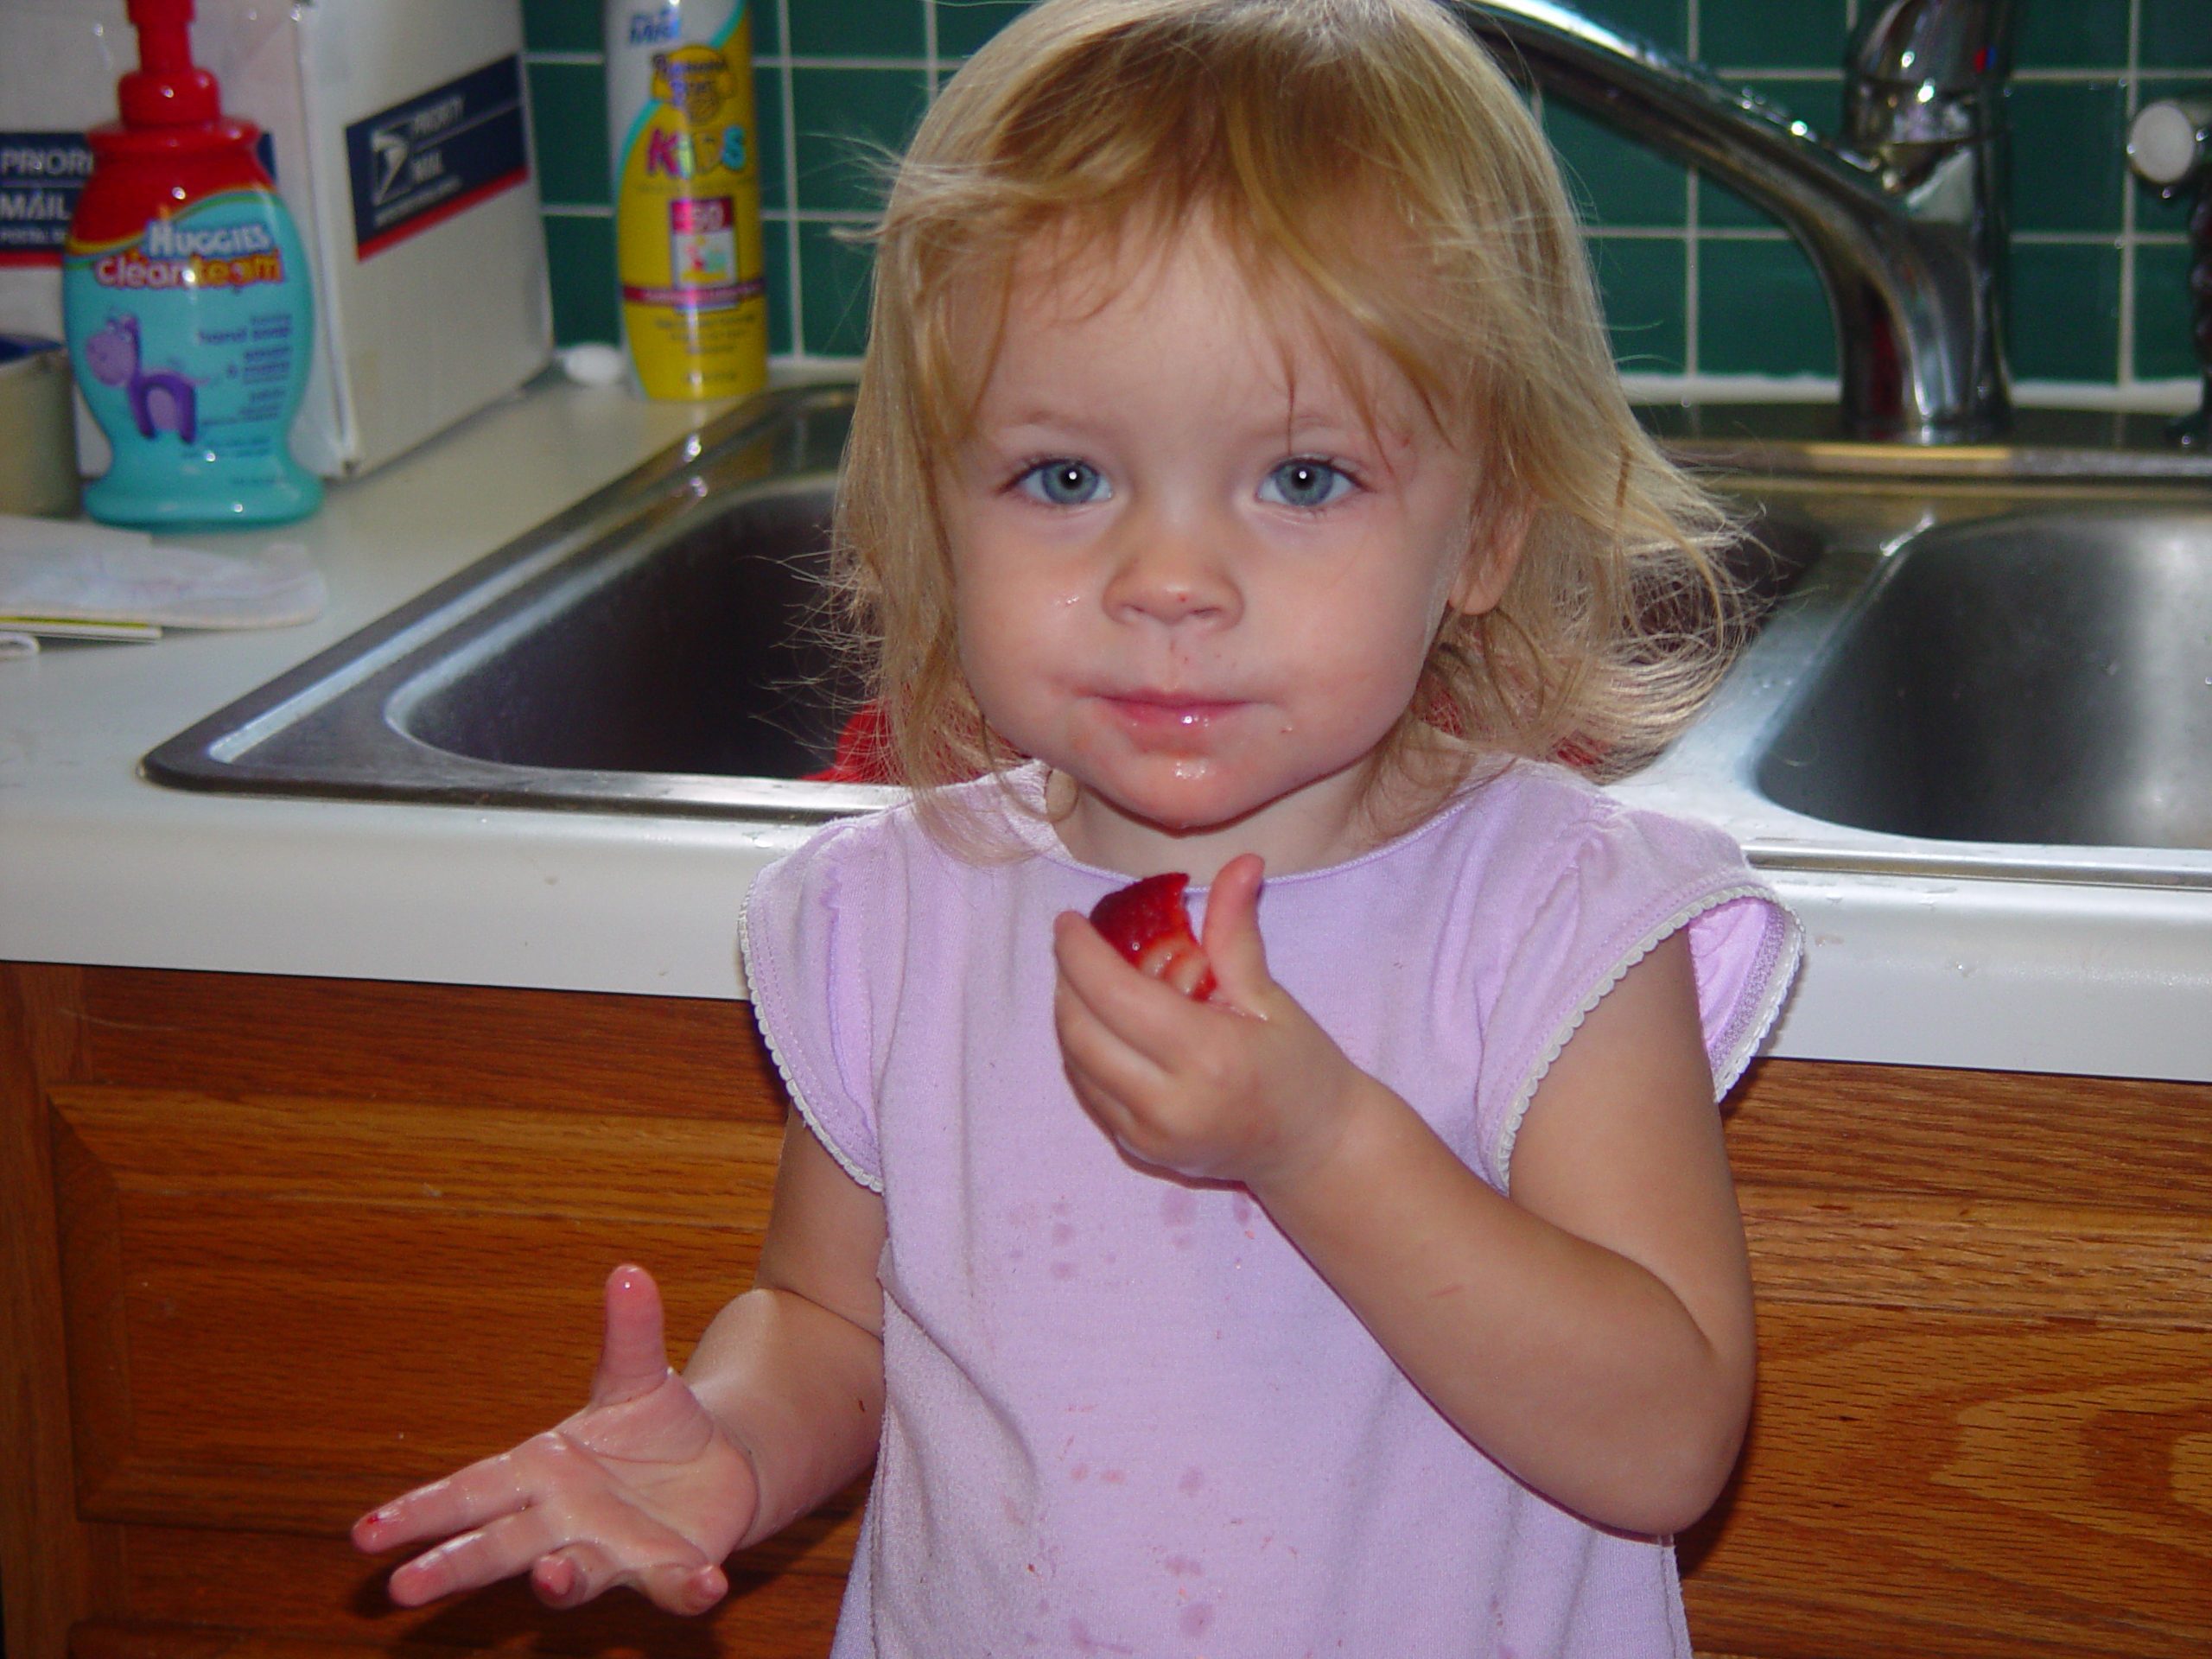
661,648
2002,679
701,649
2036,678
1947,683
658,648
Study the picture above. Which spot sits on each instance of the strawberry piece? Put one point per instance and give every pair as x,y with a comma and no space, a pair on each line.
1147,922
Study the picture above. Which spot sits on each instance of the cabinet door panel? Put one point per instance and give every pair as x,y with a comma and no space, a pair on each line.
1984,1136
320,1589
318,1240
307,1301
1940,1483
365,1041
2048,1262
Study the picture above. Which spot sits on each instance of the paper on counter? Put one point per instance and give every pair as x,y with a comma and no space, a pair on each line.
54,571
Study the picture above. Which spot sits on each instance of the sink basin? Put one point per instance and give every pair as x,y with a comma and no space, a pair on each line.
660,648
2040,677
1943,685
700,651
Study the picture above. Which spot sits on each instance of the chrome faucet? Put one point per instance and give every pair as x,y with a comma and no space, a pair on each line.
1905,223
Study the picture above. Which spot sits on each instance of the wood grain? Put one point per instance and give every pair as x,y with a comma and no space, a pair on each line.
374,1040
320,1590
280,1351
2114,1265
54,1569
256,1211
1999,1481
1986,1381
2134,1142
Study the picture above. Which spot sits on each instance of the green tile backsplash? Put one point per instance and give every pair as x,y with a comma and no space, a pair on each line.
1699,283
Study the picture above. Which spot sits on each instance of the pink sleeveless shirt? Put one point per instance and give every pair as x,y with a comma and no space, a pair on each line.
1124,1416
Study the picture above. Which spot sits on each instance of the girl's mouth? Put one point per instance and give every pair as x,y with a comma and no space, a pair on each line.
1159,715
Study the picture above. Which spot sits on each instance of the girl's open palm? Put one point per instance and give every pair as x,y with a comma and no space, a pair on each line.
643,1487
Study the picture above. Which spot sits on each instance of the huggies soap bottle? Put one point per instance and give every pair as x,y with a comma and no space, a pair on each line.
687,196
188,302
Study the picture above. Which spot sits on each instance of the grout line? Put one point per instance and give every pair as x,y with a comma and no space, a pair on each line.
2124,371
1729,388
913,66
793,276
2113,74
806,362
1755,72
1692,257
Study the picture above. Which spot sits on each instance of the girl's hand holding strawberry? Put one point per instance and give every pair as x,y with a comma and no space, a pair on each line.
1242,1086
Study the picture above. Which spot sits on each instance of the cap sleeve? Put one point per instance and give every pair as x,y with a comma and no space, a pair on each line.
1631,880
804,923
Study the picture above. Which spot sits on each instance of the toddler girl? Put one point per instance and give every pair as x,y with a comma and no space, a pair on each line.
1240,486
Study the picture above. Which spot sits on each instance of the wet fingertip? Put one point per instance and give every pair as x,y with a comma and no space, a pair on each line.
553,1577
707,1587
365,1528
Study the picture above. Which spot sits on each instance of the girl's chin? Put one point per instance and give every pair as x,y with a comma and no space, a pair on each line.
1114,807
1183,799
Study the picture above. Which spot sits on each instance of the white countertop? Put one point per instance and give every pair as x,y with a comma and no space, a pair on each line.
98,866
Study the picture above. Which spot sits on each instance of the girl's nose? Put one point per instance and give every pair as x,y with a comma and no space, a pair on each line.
1171,570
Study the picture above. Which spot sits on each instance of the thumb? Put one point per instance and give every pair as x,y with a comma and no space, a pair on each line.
633,1353
1232,939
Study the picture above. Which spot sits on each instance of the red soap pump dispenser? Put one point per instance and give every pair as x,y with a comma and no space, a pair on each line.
188,302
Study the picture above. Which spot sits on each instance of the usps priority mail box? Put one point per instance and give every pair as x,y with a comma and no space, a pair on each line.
399,134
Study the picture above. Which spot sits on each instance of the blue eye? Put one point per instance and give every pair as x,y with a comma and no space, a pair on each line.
1066,483
1304,482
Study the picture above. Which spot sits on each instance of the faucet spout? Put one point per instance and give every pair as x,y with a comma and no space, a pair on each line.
1905,225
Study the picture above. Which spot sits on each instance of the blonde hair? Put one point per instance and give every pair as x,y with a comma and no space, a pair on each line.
1298,128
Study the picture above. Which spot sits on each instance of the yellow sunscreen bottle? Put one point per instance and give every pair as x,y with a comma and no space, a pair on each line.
687,196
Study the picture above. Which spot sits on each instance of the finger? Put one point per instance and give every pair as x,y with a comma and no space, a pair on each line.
1104,1072
603,1542
573,1545
470,1559
1126,1094
1093,1048
482,1492
633,1351
575,1574
1132,1004
1232,932
678,1589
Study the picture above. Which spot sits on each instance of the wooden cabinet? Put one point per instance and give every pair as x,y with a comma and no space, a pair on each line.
274,1249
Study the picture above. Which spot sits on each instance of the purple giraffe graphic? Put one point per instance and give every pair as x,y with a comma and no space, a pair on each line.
162,401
